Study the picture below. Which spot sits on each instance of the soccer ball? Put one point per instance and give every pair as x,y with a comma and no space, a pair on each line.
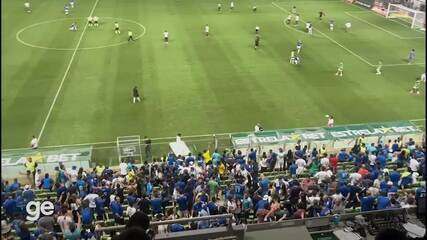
327,115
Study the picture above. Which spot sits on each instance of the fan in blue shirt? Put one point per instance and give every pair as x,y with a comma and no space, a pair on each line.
47,182
182,202
15,185
156,205
342,176
342,156
382,160
239,189
367,203
100,204
10,206
28,195
293,168
252,155
87,216
116,208
395,177
263,184
383,201
261,204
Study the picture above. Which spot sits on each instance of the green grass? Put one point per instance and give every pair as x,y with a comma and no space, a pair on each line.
198,85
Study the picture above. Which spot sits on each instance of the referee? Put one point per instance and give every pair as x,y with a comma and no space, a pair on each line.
135,94
130,36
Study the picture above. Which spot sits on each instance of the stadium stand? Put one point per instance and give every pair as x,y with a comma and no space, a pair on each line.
220,194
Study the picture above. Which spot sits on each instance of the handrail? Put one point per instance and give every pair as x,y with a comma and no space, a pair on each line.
182,220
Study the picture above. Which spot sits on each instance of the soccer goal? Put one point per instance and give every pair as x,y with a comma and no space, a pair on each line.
411,17
129,148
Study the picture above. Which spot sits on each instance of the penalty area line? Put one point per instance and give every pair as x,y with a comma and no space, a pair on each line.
331,39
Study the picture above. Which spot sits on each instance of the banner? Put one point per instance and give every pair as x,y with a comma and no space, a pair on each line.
342,135
365,3
12,162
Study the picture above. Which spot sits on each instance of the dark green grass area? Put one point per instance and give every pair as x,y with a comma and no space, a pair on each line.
198,84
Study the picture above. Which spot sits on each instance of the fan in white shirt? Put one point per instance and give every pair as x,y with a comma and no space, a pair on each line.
130,210
123,168
414,165
38,178
91,197
322,176
300,162
354,177
73,174
324,162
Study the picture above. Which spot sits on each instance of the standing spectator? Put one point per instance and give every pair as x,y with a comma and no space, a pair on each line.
367,202
47,182
117,210
28,194
72,231
395,177
10,206
414,164
30,167
147,142
38,179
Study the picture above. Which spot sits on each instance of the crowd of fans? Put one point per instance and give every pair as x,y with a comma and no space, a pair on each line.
309,183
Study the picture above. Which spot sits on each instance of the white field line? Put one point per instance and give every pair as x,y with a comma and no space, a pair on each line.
332,40
417,120
380,28
368,11
401,64
66,73
172,138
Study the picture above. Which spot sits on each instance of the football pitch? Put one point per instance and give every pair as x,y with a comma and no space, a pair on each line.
76,87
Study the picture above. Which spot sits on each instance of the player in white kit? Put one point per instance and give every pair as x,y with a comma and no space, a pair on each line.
95,21
27,7
257,29
166,37
66,9
297,19
347,26
90,21
116,28
73,27
331,25
288,19
299,46
232,5
379,67
207,30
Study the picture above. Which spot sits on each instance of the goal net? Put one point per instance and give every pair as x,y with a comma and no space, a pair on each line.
411,17
129,148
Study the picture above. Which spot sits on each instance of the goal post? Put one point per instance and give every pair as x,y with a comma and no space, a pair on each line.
413,18
129,148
